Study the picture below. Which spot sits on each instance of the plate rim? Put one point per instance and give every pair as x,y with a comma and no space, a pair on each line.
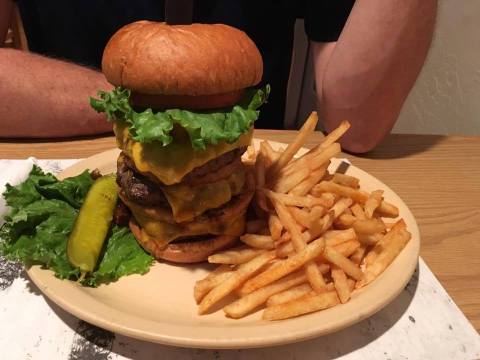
228,343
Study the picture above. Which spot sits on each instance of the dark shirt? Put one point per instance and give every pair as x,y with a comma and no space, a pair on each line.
78,30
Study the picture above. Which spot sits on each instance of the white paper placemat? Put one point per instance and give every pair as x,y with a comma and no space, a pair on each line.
422,323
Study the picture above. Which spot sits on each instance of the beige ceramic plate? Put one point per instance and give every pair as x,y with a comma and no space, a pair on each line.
159,306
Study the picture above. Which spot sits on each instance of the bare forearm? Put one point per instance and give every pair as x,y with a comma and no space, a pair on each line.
374,66
43,97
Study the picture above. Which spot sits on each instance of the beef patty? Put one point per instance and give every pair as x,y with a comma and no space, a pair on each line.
144,190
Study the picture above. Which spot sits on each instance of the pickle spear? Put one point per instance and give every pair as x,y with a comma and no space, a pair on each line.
91,226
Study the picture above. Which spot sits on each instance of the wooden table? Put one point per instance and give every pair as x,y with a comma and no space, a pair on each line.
437,176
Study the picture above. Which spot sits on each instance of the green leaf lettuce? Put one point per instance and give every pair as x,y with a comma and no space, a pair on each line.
203,127
42,215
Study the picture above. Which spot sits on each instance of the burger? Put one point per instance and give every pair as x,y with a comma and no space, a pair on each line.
183,110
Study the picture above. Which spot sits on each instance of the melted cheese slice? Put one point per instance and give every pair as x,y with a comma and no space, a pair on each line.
162,233
172,162
189,201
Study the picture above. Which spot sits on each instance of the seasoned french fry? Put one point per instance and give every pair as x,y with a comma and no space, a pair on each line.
249,156
269,154
335,237
387,210
342,262
316,230
324,156
382,243
291,294
285,267
347,248
255,226
301,216
285,184
301,306
368,226
334,135
202,287
346,180
238,277
260,182
238,255
306,130
340,206
296,292
358,212
373,202
275,226
356,195
358,255
258,241
244,305
369,239
345,221
386,256
306,185
294,200
341,284
299,244
351,284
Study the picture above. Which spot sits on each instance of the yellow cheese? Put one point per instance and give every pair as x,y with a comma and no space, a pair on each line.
189,201
172,162
162,233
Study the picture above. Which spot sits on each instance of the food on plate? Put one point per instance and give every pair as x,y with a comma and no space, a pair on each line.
92,224
42,214
327,235
183,110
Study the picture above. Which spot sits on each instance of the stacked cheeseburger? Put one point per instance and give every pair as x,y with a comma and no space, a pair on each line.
183,114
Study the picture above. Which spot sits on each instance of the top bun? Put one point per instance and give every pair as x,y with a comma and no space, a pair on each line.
198,59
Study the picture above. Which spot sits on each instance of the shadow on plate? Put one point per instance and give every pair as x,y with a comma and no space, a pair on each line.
91,342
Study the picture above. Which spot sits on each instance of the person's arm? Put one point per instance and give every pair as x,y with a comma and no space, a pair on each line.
43,97
367,74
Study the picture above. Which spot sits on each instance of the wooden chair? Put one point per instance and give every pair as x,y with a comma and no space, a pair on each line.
16,33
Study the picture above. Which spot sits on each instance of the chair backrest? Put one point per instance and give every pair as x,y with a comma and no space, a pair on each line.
301,83
16,33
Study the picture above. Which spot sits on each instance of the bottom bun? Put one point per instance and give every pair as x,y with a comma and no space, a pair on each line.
185,252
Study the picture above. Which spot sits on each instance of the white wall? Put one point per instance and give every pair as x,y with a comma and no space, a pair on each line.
446,96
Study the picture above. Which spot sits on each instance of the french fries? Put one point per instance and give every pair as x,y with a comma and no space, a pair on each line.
244,305
301,306
275,226
233,281
307,129
316,239
343,263
306,185
296,293
235,256
258,241
215,278
346,180
284,267
341,284
356,195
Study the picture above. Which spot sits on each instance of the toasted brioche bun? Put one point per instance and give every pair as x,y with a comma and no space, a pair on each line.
198,59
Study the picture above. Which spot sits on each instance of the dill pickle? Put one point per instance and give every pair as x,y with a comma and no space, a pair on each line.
91,226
